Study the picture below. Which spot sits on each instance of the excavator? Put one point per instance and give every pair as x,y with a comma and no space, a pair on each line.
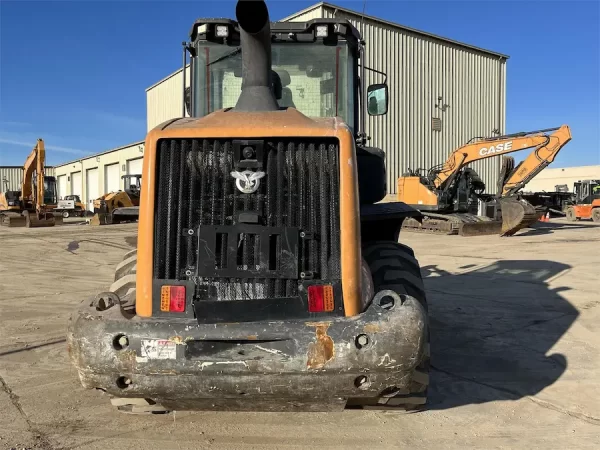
32,206
120,206
448,195
268,275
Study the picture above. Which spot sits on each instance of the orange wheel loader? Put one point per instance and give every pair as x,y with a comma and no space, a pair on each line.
266,277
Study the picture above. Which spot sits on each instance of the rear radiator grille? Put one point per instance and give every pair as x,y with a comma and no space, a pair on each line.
195,187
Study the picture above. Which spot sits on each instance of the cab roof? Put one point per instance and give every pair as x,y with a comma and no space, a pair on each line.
279,30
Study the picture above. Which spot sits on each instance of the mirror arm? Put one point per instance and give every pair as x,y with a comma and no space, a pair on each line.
377,71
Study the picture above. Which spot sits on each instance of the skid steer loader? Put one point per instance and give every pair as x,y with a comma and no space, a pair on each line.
266,277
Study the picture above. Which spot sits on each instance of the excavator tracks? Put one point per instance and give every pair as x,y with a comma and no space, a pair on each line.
516,215
462,224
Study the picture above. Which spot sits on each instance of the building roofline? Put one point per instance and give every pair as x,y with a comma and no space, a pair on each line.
304,11
396,25
20,167
99,154
178,71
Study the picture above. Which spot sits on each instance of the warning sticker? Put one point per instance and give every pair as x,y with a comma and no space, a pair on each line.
158,349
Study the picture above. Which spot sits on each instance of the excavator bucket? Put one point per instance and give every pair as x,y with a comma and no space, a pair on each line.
100,219
516,215
480,228
33,221
12,220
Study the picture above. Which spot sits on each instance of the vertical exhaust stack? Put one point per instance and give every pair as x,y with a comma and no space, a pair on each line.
255,36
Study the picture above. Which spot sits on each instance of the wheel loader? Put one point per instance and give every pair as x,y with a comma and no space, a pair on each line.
32,206
266,276
449,195
120,206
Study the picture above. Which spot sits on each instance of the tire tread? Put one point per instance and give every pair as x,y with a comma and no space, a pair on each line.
395,267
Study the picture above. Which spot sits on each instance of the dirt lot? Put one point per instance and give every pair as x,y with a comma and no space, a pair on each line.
516,351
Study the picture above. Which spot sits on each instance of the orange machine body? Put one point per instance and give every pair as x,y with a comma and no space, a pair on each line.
245,125
585,211
413,192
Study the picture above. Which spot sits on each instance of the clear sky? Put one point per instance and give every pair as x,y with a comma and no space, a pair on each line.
75,72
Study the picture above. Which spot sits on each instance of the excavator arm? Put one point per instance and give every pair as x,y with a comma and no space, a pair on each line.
31,212
546,146
29,168
536,161
35,163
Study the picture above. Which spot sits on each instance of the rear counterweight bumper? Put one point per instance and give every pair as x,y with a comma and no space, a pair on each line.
260,366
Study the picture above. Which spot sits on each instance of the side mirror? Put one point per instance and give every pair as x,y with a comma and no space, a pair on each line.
377,99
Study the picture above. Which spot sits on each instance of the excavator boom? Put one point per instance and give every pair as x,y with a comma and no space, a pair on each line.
539,159
483,148
447,195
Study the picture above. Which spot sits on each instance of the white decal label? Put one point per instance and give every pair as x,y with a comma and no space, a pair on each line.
496,148
158,349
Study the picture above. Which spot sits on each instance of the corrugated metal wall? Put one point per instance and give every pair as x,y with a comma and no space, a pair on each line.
14,176
419,70
164,100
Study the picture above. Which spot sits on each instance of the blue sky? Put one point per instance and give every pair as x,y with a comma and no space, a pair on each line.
75,72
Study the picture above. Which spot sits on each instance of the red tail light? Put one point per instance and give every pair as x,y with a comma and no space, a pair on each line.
172,298
320,298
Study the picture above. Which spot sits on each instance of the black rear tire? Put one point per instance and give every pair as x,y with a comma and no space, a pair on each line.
596,214
394,266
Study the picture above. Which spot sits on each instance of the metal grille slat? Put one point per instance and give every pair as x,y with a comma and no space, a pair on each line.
195,187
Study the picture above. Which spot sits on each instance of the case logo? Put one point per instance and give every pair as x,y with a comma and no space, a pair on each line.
496,149
247,181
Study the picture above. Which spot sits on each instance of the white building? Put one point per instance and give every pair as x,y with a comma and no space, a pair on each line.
95,175
548,179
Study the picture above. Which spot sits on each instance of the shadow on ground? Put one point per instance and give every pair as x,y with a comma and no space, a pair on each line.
131,241
550,227
492,331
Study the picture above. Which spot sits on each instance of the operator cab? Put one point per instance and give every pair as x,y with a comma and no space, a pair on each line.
50,194
316,69
132,185
586,191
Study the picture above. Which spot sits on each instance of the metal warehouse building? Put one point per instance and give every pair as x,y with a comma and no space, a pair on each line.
11,177
442,93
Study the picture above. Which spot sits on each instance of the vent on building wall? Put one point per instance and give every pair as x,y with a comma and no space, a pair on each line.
436,124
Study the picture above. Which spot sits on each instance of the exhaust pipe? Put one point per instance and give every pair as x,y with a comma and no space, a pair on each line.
255,36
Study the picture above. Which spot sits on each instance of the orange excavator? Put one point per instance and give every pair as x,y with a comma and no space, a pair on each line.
449,195
31,206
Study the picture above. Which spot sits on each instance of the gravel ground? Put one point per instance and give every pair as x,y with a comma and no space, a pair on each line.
515,351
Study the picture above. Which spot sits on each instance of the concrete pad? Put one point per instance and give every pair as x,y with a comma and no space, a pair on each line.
515,351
